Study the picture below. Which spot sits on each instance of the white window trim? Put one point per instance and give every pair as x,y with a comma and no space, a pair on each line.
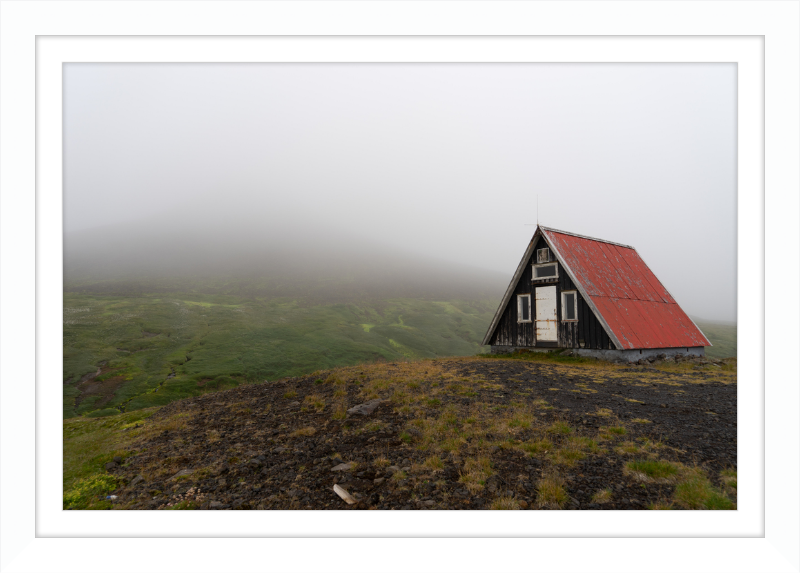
574,302
535,278
519,307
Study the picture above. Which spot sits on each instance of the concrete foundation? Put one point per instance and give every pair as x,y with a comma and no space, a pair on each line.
626,355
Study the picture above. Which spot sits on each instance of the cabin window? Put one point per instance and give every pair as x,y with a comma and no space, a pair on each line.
523,308
569,306
548,271
543,256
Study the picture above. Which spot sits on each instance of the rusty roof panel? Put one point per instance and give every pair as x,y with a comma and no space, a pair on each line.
621,280
639,269
686,328
638,285
616,322
587,260
655,318
638,281
650,312
629,297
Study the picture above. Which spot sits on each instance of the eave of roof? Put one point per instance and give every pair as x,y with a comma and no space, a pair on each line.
510,290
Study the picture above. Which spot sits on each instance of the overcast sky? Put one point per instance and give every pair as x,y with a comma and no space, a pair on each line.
441,159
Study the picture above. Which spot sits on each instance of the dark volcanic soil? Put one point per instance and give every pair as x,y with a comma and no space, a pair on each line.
240,449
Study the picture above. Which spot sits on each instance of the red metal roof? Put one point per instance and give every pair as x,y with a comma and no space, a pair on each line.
633,303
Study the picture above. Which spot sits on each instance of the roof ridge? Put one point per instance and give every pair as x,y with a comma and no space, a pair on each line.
585,237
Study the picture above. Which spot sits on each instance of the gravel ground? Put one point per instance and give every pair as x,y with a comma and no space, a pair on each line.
285,444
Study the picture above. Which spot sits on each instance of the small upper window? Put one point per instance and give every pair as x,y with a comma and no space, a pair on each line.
523,308
543,256
548,271
569,305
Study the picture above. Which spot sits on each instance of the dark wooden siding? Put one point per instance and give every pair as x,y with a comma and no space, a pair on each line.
586,333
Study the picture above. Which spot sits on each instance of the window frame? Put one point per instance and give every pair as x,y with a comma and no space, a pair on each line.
538,261
519,308
574,305
534,278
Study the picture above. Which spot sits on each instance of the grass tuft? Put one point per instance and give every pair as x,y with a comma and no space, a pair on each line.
475,473
315,401
537,446
504,502
434,463
560,428
550,492
602,496
309,431
728,477
698,493
652,470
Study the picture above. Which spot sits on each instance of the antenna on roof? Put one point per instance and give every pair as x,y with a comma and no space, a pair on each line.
537,213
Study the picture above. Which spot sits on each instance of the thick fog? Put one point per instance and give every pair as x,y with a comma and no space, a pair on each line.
413,170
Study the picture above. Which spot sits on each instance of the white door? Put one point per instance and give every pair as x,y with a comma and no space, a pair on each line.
546,319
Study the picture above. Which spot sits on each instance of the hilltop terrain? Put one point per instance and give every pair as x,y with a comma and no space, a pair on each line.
157,312
472,433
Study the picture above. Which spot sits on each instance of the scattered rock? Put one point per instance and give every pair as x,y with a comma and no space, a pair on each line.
253,463
341,492
185,472
365,409
111,466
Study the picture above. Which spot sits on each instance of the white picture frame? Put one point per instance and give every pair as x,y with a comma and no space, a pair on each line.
36,38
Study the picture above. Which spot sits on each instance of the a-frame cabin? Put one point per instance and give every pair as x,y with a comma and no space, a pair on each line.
593,296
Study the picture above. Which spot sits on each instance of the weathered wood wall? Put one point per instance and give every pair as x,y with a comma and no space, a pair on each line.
586,333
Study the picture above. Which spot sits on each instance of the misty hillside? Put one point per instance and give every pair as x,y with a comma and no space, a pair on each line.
253,258
158,311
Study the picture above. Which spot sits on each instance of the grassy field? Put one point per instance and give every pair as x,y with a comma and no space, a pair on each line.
721,334
153,349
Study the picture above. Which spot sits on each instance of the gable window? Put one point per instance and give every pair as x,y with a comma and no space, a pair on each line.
523,308
569,306
546,271
543,255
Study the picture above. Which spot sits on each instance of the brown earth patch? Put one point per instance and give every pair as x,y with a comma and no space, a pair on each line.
104,388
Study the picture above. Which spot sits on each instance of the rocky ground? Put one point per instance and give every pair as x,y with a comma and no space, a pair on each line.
467,433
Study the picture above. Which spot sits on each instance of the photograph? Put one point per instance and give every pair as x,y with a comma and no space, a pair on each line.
400,286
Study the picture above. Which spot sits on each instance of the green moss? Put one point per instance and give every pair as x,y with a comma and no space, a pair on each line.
89,493
698,493
654,469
